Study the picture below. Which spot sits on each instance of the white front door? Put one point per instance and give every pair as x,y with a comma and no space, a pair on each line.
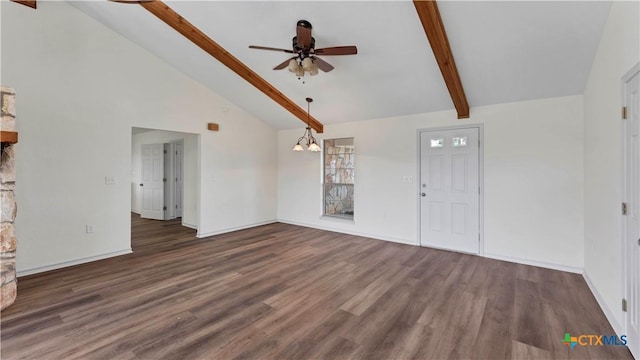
632,223
449,189
153,181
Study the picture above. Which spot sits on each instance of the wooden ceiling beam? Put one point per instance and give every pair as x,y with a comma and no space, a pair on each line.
434,29
188,30
31,4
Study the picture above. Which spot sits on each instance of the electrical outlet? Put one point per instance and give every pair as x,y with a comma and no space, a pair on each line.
90,229
109,180
407,179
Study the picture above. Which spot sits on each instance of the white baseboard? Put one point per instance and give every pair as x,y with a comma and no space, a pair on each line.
542,264
190,226
224,231
603,305
72,262
136,212
355,233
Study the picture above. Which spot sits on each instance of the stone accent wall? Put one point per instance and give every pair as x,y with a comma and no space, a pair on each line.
8,282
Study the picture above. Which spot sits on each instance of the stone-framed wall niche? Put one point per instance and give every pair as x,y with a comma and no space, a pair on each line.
9,137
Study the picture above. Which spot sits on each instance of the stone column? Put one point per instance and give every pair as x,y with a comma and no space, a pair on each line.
8,283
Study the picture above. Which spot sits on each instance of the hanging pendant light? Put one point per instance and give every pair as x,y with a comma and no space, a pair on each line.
307,137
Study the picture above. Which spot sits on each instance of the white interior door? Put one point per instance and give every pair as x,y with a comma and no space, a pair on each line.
632,223
153,181
179,173
449,189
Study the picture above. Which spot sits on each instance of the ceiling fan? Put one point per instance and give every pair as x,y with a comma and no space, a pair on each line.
306,58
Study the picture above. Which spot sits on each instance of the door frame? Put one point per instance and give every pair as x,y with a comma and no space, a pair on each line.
171,187
625,173
180,158
194,169
480,128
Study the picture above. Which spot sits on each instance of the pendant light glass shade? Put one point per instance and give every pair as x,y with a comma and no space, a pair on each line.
298,147
314,146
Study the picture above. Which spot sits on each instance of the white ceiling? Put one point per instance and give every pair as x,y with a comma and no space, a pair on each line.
505,51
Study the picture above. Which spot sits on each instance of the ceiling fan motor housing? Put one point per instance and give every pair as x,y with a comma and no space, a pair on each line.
304,24
299,49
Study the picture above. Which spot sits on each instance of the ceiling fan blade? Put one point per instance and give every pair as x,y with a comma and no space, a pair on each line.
284,64
322,65
130,1
303,36
337,50
270,48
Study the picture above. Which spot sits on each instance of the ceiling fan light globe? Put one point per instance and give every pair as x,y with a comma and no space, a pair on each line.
299,71
307,64
293,65
314,70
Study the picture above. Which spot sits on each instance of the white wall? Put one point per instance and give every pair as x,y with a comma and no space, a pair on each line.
80,89
533,179
618,51
190,169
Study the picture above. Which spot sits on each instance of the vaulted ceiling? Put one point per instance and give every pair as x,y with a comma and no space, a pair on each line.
504,51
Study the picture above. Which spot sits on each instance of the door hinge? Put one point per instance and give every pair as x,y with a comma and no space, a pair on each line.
624,112
624,208
165,152
164,208
176,206
624,305
164,179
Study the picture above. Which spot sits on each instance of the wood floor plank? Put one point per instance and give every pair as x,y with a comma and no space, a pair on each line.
528,352
529,319
367,296
287,292
310,345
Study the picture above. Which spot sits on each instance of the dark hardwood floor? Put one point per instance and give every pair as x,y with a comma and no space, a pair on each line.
286,292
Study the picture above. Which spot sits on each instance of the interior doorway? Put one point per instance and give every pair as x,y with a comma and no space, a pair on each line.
164,175
449,189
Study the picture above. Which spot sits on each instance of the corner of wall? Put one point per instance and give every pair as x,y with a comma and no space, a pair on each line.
610,315
617,52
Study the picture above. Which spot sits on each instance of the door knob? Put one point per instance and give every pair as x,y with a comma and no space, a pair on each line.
141,184
423,194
